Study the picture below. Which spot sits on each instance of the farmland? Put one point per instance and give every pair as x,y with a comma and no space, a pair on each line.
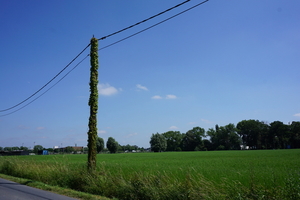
259,174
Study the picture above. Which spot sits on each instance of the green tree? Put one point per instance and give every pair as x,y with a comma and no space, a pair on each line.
15,148
229,137
224,137
214,138
263,135
192,140
158,143
7,149
93,103
252,132
37,148
174,140
69,149
1,148
112,145
279,134
50,150
24,148
128,147
295,135
100,144
207,144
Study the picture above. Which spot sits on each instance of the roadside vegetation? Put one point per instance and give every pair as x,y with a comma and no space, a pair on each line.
259,174
54,189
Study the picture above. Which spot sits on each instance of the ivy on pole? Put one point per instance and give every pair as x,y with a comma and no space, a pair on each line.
93,103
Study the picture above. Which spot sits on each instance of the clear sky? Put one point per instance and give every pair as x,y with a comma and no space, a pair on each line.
220,63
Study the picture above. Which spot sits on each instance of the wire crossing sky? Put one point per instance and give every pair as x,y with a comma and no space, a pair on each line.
47,82
46,90
145,20
221,63
150,26
138,23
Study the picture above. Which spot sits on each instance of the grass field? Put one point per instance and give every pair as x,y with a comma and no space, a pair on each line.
268,174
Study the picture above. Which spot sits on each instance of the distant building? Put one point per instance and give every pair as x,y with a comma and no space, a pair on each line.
43,152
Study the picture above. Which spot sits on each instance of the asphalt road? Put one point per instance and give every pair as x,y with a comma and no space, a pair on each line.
14,191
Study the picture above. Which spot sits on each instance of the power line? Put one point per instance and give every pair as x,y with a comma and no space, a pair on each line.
140,22
99,50
153,25
48,88
47,82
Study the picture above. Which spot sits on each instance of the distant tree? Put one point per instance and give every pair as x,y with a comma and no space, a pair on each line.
207,144
214,137
112,145
24,148
1,148
229,137
158,142
85,149
7,149
69,149
224,137
192,140
252,132
221,147
295,134
263,135
15,148
174,140
100,144
56,150
50,149
135,147
248,131
279,134
37,148
127,147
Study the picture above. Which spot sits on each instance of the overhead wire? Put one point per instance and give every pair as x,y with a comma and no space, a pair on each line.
48,88
86,48
154,25
47,82
140,22
99,50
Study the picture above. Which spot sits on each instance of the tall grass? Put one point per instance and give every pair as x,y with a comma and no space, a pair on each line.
184,175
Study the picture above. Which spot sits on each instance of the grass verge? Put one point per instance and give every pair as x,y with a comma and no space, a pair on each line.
55,189
183,176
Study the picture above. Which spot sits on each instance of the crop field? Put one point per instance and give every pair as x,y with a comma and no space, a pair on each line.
257,174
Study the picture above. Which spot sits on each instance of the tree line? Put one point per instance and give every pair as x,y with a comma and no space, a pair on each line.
113,146
247,134
35,149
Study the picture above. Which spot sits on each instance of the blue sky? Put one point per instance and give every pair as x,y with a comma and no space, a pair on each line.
220,63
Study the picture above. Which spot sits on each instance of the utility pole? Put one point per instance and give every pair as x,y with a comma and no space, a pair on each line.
93,103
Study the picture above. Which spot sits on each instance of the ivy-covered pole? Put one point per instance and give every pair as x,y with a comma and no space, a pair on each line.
93,103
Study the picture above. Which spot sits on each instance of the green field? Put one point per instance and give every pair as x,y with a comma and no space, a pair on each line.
260,174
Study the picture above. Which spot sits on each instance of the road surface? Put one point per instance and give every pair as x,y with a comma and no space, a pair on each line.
14,191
